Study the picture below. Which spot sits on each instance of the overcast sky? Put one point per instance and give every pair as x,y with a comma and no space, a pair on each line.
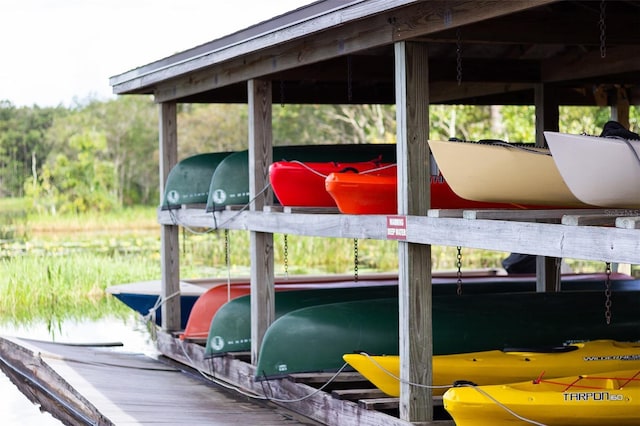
55,51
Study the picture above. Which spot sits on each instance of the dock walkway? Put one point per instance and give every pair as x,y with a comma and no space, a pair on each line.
105,386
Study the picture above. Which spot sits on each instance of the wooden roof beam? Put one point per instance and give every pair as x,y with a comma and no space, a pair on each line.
577,65
297,45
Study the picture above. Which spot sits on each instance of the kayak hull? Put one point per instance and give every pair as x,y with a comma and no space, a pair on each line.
297,183
188,181
230,181
504,366
467,323
611,398
578,156
504,173
378,194
229,328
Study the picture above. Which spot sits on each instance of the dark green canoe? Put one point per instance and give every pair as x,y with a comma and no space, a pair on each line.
315,338
189,180
230,329
230,181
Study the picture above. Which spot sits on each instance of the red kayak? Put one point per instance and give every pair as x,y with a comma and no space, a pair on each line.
297,183
356,193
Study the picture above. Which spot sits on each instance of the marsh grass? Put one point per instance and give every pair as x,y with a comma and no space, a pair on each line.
51,289
303,255
129,219
54,269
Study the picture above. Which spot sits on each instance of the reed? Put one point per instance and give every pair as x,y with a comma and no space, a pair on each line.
60,270
51,289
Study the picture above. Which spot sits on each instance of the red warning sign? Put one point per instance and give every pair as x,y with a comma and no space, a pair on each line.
396,227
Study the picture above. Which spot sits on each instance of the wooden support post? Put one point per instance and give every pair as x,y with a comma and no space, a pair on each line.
547,273
414,269
261,243
547,118
619,102
169,250
546,111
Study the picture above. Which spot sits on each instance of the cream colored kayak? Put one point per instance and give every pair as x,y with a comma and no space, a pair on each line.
493,367
601,171
502,172
609,398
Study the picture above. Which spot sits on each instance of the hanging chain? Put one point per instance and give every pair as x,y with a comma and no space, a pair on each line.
603,28
349,79
459,265
227,258
355,259
458,57
607,293
286,256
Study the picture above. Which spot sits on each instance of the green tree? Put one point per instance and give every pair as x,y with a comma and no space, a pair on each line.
23,148
78,183
130,126
212,128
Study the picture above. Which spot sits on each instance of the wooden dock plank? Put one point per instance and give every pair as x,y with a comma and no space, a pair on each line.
588,220
120,388
356,394
301,397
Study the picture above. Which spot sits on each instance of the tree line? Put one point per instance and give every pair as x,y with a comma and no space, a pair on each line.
103,155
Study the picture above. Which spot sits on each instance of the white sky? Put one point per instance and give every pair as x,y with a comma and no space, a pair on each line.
57,51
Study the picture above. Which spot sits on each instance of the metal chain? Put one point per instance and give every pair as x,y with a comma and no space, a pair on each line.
458,57
355,259
603,27
607,293
349,79
184,241
459,265
286,256
227,258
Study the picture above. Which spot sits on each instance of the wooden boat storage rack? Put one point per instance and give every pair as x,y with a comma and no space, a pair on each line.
348,400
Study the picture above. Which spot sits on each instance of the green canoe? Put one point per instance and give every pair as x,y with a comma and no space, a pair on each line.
230,329
315,338
230,181
189,180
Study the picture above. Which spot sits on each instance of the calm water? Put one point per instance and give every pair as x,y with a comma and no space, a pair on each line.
16,409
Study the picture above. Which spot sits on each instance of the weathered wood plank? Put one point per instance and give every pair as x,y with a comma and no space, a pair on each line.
283,48
104,387
457,213
356,394
531,215
588,220
260,243
170,246
322,378
379,403
414,260
610,244
308,210
303,399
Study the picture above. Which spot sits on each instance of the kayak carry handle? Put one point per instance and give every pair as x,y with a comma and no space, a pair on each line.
544,349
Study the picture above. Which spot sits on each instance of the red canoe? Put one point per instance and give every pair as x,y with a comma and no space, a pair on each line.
356,193
302,184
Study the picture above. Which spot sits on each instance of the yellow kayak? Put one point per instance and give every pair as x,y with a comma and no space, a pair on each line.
513,365
609,398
